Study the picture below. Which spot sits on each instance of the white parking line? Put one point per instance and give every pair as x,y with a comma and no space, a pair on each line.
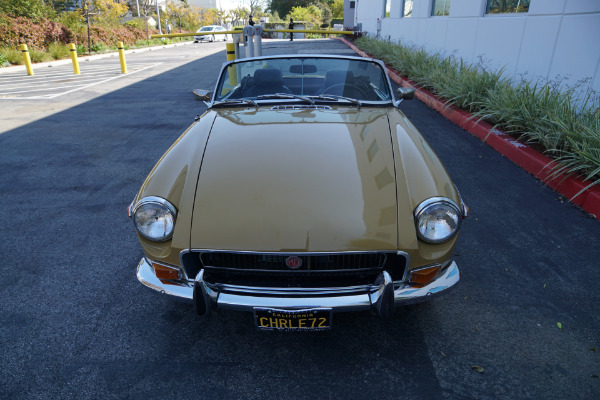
43,83
64,72
15,94
106,80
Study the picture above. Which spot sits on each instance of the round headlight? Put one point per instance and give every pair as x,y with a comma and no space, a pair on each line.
437,219
154,218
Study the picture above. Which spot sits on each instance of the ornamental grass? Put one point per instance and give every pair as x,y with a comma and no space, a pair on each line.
563,120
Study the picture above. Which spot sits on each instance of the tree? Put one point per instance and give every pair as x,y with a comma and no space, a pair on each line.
176,11
64,5
109,12
146,8
239,15
256,7
337,9
33,9
326,14
311,15
284,7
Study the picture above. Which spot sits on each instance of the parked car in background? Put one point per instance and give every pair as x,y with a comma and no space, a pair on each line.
303,190
209,34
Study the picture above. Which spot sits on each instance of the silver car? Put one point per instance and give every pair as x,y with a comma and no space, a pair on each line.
210,37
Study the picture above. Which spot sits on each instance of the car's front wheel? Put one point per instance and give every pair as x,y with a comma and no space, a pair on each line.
212,38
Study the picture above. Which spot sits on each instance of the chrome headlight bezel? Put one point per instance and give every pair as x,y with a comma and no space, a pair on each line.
169,210
430,205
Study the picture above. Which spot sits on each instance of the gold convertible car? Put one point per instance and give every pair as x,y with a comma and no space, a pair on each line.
302,191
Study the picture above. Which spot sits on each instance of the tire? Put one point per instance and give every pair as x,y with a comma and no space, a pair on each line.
212,38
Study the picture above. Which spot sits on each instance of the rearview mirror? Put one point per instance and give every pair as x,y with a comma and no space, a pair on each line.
202,95
406,93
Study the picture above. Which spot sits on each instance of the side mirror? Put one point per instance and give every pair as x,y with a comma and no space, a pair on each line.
406,93
202,95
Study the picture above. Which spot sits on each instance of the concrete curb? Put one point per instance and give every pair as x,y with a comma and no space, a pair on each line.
518,152
56,63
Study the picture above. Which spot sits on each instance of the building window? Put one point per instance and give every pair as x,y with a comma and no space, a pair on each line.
352,4
386,9
507,6
407,6
440,7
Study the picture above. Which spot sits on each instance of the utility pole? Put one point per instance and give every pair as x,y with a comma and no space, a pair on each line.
158,15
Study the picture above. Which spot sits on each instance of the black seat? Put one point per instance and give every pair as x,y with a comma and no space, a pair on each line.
266,81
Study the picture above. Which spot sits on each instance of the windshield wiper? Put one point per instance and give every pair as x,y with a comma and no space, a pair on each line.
236,101
287,96
336,98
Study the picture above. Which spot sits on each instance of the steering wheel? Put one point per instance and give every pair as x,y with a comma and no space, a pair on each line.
345,89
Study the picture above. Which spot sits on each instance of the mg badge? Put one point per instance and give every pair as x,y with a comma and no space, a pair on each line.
293,262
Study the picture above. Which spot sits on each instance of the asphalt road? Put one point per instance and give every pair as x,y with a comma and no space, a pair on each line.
75,323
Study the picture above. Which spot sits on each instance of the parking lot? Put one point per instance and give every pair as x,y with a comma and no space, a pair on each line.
50,83
76,323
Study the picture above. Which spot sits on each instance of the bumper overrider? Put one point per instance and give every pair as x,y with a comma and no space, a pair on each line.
380,297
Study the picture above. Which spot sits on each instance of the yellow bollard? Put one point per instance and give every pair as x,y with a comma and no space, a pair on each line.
73,51
232,70
122,57
27,59
230,51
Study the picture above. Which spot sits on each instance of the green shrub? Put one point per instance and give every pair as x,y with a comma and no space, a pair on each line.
37,56
13,56
58,51
136,23
98,47
3,60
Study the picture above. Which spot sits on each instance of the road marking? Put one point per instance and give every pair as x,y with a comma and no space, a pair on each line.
109,79
88,82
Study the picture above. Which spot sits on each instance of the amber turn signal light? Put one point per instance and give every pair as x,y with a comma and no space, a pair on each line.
424,276
165,272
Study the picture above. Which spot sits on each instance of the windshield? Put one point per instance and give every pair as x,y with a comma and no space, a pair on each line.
361,80
206,28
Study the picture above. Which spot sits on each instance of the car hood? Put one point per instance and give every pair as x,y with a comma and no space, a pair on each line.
297,180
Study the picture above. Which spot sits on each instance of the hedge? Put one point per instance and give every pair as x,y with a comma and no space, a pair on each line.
41,33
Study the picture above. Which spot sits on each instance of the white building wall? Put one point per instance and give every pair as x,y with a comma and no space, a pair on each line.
556,38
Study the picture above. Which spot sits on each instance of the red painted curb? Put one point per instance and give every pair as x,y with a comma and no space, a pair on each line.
518,152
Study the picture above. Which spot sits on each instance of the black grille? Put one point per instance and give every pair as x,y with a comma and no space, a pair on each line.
273,269
279,262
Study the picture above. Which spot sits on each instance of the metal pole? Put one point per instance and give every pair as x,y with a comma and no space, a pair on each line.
88,29
249,42
258,30
158,17
137,2
236,41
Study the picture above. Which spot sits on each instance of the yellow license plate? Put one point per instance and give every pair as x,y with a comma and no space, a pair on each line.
314,319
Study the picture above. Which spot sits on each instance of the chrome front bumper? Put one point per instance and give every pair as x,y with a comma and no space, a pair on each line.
380,297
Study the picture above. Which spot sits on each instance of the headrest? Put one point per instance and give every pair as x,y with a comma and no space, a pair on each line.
268,76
